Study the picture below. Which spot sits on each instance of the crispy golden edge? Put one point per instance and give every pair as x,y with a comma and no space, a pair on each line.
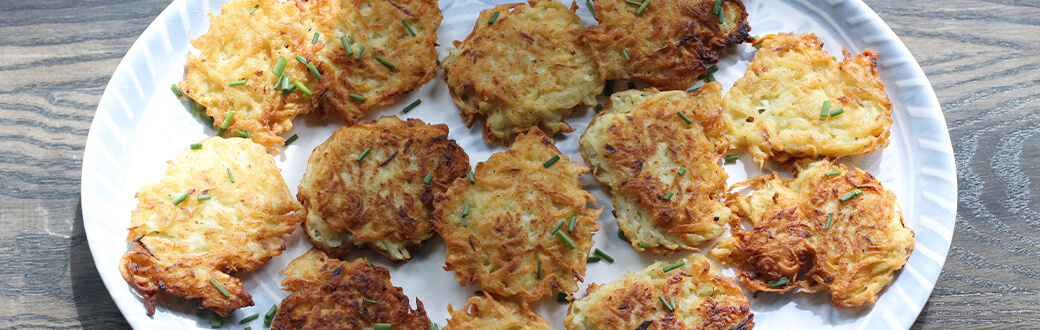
381,202
484,87
639,152
329,294
703,299
375,25
244,46
514,205
486,312
179,248
853,260
670,45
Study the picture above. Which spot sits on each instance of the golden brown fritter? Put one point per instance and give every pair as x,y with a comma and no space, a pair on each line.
775,109
640,145
484,312
850,249
243,46
498,229
377,26
528,69
380,202
181,247
702,298
669,45
330,294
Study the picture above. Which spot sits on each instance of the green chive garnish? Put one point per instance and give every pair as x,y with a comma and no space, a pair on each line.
216,322
494,17
556,137
621,235
731,158
279,67
438,60
551,161
409,27
720,15
313,70
684,118
673,266
718,5
668,196
278,83
553,232
291,139
303,88
204,197
176,90
432,326
539,274
249,318
826,110
830,219
756,294
665,302
634,3
237,83
411,106
642,245
642,7
850,195
346,45
227,121
356,97
270,314
837,112
592,259
180,199
830,174
243,134
286,86
682,171
566,240
384,62
254,9
599,107
779,282
465,211
232,177
370,301
624,53
360,51
301,59
570,225
381,326
603,255
470,177
196,146
591,9
427,179
364,154
219,287
315,39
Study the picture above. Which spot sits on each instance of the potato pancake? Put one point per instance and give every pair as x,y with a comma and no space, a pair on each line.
484,312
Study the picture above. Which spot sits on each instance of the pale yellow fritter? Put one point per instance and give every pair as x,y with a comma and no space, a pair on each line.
484,312
512,208
330,294
850,249
243,46
669,45
377,26
775,109
380,202
702,298
639,146
180,249
528,69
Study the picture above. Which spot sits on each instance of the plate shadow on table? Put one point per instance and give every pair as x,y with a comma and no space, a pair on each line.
94,306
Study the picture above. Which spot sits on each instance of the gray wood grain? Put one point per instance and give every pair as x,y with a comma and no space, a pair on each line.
982,57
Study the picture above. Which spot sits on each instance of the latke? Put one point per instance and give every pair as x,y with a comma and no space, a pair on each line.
484,312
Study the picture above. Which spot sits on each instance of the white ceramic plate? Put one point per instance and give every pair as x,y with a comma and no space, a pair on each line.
140,125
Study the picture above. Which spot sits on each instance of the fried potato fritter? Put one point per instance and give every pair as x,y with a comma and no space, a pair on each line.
484,312
850,249
775,110
377,26
669,45
243,44
183,243
702,298
330,294
528,69
381,201
498,230
639,146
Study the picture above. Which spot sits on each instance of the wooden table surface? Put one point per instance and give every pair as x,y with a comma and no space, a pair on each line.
982,57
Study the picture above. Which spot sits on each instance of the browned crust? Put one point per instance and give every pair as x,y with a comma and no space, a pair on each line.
484,311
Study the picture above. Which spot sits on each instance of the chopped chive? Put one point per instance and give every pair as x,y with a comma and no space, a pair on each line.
837,112
219,287
621,235
494,17
465,212
682,171
346,45
176,90
721,14
570,225
642,245
196,146
556,137
539,274
286,86
599,107
249,318
356,97
665,302
718,5
756,294
779,282
201,312
409,27
313,70
562,297
673,266
381,326
364,154
710,77
411,106
291,139
359,52
592,259
826,110
671,301
830,219
624,53
204,197
432,326
248,328
232,177
243,134
384,62
684,118
591,8
551,161
279,67
470,177
303,88
254,9
713,69
438,61
668,196
301,59
642,7
270,314
370,301
553,232
634,3
180,199
603,255
850,195
315,39
227,120
833,173
732,158
216,323
237,83
566,240
427,179
278,83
